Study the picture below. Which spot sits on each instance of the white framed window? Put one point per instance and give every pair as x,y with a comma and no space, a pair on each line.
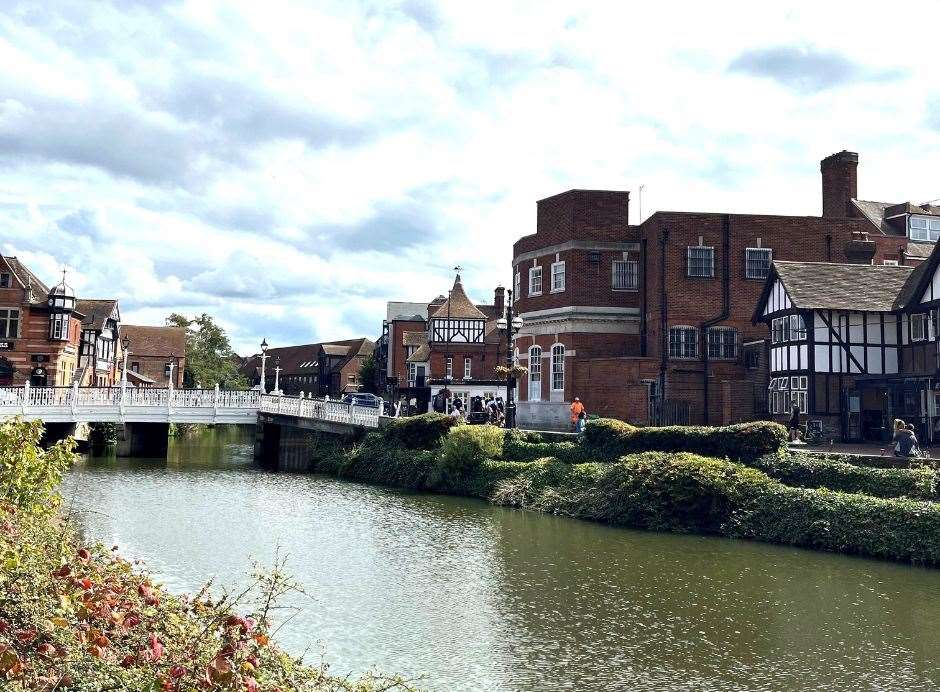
683,342
723,343
797,328
788,328
923,228
701,261
535,281
757,262
558,368
516,286
58,326
889,263
449,367
919,327
9,323
625,275
467,365
535,373
558,277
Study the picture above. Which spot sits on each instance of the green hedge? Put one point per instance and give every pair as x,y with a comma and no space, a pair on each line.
467,446
610,439
809,471
419,432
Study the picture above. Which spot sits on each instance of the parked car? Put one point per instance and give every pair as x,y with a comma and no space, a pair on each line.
363,399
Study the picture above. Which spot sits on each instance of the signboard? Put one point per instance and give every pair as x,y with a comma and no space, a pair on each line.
40,358
6,345
814,427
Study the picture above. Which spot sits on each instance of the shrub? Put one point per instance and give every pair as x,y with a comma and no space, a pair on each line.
609,439
518,450
419,432
468,446
810,472
28,475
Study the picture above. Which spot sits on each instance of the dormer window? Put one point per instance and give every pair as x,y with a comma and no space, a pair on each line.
924,228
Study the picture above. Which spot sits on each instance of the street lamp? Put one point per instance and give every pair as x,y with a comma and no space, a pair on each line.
277,376
512,323
264,357
172,366
125,347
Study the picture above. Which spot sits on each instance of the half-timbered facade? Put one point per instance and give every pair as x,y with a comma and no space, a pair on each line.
854,345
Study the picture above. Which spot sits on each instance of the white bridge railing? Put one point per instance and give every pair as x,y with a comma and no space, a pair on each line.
133,404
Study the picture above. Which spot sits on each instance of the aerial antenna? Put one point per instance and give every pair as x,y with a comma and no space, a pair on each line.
640,203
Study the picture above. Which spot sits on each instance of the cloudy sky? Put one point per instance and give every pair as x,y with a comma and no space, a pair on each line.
290,166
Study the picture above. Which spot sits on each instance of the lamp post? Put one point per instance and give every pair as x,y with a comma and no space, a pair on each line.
264,357
512,323
277,376
125,347
172,366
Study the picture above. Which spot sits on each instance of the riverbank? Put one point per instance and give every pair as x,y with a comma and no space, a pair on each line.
738,482
75,615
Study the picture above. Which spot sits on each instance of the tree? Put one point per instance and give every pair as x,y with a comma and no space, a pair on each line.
209,356
367,374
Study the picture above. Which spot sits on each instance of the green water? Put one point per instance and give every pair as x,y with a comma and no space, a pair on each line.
477,597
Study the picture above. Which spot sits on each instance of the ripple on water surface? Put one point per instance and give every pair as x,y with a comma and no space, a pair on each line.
485,598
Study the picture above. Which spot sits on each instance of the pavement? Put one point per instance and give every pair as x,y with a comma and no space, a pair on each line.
882,449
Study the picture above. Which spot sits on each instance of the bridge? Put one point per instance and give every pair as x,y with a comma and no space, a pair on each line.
144,414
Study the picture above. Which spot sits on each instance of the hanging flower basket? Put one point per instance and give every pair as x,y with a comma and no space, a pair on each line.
516,371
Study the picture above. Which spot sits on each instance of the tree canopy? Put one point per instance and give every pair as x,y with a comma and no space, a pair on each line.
209,356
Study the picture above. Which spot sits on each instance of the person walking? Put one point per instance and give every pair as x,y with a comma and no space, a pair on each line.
795,423
582,422
577,408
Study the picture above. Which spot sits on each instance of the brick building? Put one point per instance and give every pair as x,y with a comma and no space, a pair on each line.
327,368
653,322
150,352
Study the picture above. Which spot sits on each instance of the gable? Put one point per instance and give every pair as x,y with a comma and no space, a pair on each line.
777,299
931,290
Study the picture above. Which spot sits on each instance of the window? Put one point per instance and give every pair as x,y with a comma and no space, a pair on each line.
752,359
166,370
789,328
467,363
516,286
558,367
797,328
683,342
922,228
890,263
412,374
535,281
919,327
449,367
701,261
784,392
757,262
625,275
558,277
58,326
4,280
409,351
723,343
9,323
135,366
535,373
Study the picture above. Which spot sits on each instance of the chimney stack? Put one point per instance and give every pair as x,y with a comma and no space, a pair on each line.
839,183
499,300
859,250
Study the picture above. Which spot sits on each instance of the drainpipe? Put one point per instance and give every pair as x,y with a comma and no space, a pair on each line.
643,298
829,247
902,255
725,304
663,314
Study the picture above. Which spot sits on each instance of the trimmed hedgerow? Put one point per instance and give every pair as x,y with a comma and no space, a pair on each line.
467,446
807,471
419,432
610,439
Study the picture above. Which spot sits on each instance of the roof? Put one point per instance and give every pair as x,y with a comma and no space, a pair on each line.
414,338
155,341
832,286
919,250
131,375
876,212
26,278
420,355
96,312
458,305
335,349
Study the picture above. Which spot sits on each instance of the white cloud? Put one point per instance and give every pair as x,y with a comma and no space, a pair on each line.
288,166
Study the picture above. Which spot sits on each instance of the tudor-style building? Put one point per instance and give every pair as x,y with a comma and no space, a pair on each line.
854,346
100,345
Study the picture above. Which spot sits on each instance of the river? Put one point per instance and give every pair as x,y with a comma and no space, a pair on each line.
476,597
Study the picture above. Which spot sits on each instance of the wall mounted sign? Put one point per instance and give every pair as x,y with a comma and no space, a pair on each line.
6,345
40,358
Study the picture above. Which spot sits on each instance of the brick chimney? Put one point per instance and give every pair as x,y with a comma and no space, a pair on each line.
859,250
499,300
839,183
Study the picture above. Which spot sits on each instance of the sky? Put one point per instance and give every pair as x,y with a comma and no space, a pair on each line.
288,167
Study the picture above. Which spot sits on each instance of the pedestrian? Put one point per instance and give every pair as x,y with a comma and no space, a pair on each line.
457,411
795,423
904,438
582,422
577,408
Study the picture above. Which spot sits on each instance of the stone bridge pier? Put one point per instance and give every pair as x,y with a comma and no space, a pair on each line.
287,443
143,440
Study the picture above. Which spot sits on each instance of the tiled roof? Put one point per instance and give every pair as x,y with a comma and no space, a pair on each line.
131,375
876,212
96,312
458,305
26,278
908,292
919,250
335,349
155,341
414,338
830,286
421,355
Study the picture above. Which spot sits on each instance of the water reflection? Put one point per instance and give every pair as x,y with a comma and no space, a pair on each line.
485,598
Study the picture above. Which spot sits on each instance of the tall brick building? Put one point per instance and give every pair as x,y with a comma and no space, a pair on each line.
653,322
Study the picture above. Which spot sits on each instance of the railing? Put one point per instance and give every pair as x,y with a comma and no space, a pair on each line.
113,400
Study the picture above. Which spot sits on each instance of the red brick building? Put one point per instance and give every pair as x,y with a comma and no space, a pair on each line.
151,350
653,322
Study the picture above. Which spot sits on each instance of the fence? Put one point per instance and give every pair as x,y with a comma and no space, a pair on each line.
669,412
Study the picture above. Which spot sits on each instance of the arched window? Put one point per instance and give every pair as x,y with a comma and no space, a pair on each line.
535,373
558,367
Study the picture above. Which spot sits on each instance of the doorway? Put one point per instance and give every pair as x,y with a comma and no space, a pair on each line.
38,378
6,373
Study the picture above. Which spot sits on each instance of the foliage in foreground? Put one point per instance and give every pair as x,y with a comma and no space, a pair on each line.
79,617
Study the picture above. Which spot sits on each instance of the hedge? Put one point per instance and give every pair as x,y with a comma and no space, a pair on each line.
609,439
809,471
419,432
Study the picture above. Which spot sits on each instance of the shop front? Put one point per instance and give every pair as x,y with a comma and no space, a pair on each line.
872,404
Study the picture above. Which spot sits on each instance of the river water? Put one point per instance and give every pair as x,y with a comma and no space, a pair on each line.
476,597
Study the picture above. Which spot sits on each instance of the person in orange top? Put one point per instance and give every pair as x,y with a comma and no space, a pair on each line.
576,408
